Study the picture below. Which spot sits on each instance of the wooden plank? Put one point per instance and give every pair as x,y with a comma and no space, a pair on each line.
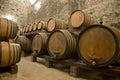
77,68
13,69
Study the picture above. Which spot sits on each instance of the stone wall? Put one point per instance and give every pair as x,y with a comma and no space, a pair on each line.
61,9
25,13
109,10
16,8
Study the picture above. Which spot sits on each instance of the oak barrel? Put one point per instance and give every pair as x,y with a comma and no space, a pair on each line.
24,42
14,30
79,19
34,27
98,45
44,25
39,43
55,24
8,29
19,32
10,54
62,43
39,27
31,27
27,28
11,40
23,29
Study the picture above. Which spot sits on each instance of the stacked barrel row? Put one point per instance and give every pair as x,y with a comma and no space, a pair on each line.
57,40
63,43
49,26
42,32
97,45
35,27
9,52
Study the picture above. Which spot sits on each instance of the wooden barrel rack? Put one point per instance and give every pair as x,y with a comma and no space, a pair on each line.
13,69
77,68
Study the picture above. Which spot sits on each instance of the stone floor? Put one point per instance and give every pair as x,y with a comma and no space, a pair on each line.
28,70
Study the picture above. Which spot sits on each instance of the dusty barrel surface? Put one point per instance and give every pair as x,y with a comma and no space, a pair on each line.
24,42
55,24
8,29
79,19
98,45
10,54
62,43
39,43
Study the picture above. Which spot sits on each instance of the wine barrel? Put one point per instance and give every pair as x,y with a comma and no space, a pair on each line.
39,25
24,42
19,32
44,25
62,43
98,45
23,29
10,54
39,43
8,29
55,24
34,27
27,28
14,30
79,19
31,27
11,40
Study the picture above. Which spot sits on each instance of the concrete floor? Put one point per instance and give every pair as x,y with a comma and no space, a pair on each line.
28,70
